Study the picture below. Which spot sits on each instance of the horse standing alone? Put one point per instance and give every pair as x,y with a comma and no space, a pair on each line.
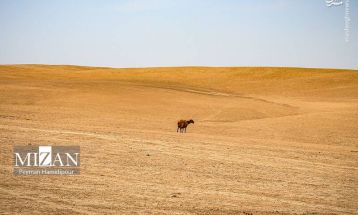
182,124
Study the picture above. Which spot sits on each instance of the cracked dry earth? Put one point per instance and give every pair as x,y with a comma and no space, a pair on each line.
265,140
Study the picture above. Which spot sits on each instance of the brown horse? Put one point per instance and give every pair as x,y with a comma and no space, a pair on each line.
182,124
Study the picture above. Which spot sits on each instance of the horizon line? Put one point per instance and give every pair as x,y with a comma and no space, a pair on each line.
186,66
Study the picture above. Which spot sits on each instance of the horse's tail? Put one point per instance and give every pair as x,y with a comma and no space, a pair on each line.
180,123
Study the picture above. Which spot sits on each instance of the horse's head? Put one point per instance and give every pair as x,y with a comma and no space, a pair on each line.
191,121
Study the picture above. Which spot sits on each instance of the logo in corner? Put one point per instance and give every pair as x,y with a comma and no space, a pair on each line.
46,160
331,3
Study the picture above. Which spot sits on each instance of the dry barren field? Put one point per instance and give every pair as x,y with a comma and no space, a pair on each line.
265,140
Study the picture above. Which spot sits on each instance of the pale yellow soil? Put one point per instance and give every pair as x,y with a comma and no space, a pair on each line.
265,140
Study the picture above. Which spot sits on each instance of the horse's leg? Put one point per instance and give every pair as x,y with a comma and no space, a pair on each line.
177,129
185,129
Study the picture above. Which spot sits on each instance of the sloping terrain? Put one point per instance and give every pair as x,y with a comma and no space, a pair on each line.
265,140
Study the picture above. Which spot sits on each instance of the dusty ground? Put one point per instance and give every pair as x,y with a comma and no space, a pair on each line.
265,140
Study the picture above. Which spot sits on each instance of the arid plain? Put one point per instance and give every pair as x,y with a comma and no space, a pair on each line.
265,140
